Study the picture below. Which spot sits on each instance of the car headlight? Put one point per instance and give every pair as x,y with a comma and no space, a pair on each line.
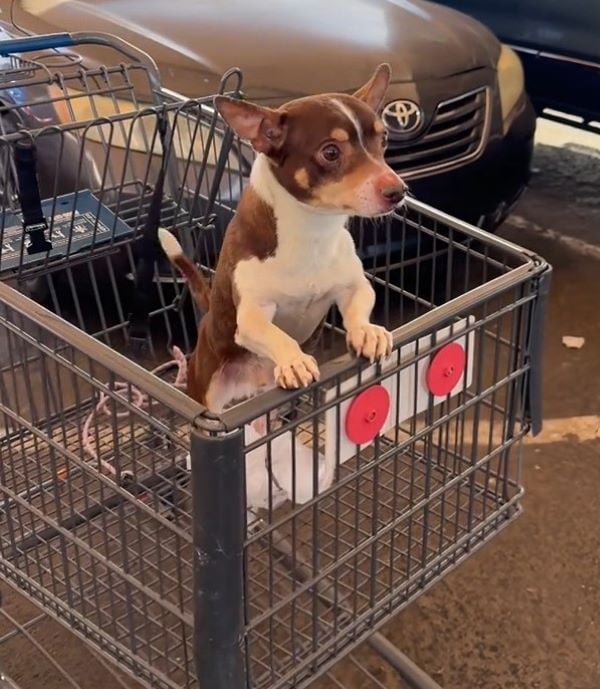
511,82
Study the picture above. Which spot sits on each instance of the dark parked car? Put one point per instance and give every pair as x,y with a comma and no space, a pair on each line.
559,44
461,125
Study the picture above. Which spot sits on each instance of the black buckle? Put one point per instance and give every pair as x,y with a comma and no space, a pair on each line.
35,239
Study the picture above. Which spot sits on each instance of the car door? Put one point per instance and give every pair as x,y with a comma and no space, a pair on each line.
567,28
559,46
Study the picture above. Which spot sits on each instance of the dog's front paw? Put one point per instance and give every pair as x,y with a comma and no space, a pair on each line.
370,341
299,371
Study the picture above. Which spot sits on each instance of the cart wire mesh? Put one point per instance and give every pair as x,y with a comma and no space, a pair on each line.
120,528
99,136
114,554
35,651
343,535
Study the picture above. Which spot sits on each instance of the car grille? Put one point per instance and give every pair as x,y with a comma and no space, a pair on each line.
456,133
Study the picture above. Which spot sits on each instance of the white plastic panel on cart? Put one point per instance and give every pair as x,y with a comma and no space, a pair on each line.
408,390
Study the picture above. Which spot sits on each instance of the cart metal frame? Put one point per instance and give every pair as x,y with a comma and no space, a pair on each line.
180,544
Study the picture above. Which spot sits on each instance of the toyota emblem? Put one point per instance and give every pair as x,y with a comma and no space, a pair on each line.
403,116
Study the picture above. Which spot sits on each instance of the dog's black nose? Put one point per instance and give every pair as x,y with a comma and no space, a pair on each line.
394,193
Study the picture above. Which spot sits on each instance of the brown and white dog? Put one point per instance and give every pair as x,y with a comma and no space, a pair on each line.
287,255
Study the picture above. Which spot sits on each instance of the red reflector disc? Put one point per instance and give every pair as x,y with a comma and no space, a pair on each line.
446,369
367,414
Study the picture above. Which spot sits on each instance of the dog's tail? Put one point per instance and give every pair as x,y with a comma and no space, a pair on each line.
198,285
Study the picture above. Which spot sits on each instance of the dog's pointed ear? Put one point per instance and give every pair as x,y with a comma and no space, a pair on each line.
263,127
373,92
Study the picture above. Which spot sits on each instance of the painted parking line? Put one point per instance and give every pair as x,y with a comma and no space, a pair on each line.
575,244
578,429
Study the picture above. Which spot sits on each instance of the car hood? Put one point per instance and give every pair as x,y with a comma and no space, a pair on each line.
285,48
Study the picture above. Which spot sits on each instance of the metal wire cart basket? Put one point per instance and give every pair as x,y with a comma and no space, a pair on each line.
189,548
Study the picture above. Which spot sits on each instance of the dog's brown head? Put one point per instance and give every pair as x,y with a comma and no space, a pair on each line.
328,150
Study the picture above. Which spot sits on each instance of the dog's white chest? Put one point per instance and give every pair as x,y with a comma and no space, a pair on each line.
301,291
300,316
300,286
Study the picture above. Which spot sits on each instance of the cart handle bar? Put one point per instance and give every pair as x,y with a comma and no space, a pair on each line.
54,41
30,44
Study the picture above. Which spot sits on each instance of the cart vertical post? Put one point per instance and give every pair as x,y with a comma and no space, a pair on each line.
218,494
533,407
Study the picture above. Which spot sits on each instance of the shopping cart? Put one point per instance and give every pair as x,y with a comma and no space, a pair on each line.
302,542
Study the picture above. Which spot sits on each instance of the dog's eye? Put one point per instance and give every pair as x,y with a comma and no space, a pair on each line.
330,153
